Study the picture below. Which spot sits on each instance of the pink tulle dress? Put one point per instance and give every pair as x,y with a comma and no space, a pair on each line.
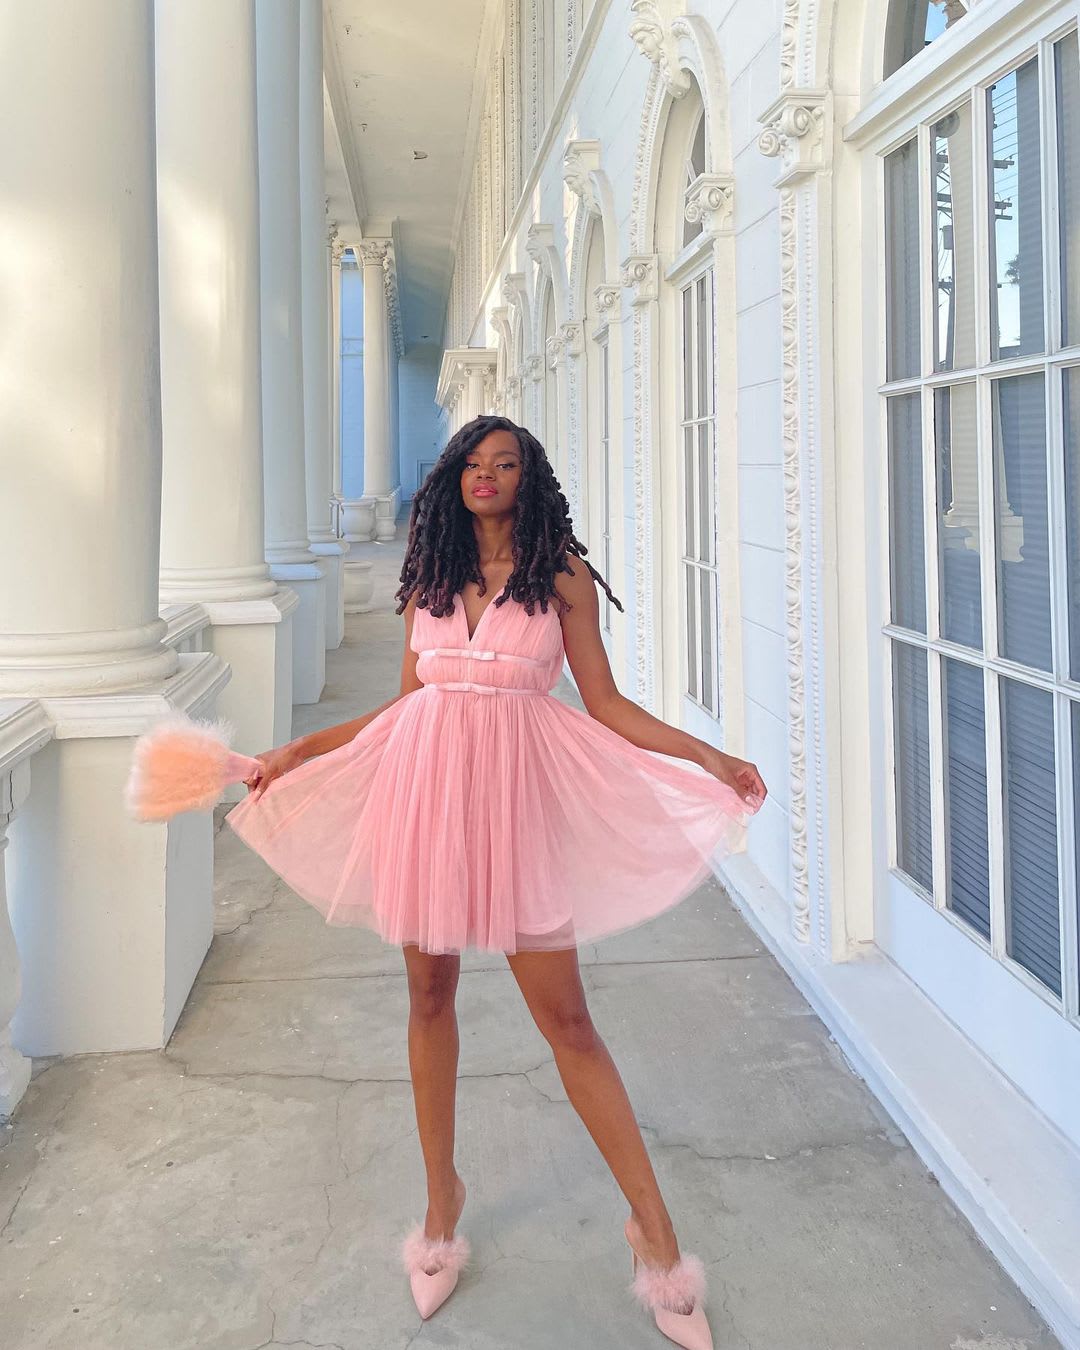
482,812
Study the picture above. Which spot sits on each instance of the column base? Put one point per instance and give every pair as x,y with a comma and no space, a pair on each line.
112,917
308,580
359,587
332,554
358,520
386,514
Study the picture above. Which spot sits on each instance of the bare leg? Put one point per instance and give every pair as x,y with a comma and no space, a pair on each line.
433,1060
551,985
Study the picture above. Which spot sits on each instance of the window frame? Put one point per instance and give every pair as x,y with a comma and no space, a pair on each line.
906,107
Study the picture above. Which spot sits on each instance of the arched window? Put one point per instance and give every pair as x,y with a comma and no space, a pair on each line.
691,591
980,402
914,24
695,167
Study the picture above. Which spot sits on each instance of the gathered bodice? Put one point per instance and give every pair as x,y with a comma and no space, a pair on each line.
511,651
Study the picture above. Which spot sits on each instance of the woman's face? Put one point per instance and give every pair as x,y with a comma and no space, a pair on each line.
490,474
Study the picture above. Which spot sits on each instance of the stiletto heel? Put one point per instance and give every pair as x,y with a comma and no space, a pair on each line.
433,1266
669,1293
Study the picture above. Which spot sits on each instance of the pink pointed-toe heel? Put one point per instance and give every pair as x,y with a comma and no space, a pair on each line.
433,1266
674,1297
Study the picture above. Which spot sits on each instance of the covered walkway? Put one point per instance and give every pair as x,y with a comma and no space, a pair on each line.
247,1186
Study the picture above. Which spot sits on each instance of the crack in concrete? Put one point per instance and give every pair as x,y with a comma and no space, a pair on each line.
41,1150
802,1151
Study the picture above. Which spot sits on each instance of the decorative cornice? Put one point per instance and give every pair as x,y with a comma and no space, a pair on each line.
393,302
639,273
580,161
651,29
710,199
795,134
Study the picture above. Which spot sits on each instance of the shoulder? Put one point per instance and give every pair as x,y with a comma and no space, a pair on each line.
577,587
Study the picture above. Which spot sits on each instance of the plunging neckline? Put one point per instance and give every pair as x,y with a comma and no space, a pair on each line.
461,600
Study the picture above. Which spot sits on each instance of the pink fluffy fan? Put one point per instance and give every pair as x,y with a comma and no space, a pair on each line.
182,765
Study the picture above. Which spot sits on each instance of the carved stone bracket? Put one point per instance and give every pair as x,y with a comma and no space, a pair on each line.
651,29
573,337
533,368
537,241
795,134
710,199
580,161
639,273
555,350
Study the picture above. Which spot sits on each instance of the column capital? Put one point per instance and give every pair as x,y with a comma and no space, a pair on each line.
372,252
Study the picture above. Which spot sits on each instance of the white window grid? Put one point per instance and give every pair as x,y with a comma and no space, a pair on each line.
697,545
1050,365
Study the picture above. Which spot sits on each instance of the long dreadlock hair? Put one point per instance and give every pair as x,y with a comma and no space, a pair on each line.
441,553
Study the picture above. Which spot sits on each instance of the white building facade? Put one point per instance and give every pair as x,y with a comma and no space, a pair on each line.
790,291
790,294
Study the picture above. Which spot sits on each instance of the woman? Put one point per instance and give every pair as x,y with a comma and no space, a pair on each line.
473,810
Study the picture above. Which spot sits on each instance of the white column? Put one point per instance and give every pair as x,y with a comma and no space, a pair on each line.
104,967
476,390
287,548
315,292
378,483
212,480
336,250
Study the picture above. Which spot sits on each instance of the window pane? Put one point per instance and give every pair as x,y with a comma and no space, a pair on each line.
689,497
702,314
914,845
1016,285
958,522
902,262
1068,133
966,834
908,565
708,639
1071,421
1023,536
688,364
705,492
1031,870
693,660
954,240
914,24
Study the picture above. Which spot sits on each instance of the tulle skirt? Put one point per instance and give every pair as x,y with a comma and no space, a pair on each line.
497,822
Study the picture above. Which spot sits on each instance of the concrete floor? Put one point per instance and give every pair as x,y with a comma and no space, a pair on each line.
248,1186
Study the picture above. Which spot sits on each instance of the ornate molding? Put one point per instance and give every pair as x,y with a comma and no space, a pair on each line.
372,252
393,302
580,161
606,296
640,274
652,29
533,367
710,199
795,134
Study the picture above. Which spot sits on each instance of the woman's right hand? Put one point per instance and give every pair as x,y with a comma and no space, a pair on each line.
274,764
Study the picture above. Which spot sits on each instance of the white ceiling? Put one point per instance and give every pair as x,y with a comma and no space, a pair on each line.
402,75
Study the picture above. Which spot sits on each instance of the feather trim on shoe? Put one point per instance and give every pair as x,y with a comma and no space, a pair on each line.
677,1289
419,1252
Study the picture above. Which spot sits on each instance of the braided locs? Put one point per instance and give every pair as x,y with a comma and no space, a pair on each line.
441,553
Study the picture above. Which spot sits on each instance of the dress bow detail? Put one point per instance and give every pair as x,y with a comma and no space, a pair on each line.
469,653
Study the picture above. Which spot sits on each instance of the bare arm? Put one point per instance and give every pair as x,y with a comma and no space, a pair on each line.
588,660
294,752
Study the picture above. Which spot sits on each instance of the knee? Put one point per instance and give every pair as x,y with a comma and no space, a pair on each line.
569,1027
432,997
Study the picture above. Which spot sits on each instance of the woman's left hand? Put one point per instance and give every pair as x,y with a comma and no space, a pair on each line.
738,774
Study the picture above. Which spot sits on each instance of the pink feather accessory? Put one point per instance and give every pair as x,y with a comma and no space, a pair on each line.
180,764
678,1289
